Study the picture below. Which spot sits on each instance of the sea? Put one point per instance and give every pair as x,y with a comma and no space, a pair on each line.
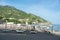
56,27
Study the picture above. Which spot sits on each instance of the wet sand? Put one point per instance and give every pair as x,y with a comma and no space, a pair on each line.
20,36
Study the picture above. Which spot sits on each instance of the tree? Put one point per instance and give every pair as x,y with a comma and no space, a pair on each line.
1,17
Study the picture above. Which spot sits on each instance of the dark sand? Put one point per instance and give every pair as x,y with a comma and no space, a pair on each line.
38,36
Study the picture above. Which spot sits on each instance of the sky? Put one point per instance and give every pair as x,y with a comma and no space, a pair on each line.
47,9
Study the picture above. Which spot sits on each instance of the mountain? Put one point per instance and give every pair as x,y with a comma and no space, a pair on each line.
10,12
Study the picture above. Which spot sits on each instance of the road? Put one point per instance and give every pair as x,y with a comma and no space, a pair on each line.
19,36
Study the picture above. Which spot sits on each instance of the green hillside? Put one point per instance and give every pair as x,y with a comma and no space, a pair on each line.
10,13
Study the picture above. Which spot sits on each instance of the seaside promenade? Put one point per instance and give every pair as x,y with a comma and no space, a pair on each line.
27,36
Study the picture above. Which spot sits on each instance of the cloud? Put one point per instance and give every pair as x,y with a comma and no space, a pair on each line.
3,2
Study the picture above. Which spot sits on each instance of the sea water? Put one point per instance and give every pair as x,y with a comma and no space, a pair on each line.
56,27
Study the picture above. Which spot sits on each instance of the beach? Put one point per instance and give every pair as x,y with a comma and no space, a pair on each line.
20,36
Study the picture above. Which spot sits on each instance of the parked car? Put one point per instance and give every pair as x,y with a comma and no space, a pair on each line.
20,30
33,31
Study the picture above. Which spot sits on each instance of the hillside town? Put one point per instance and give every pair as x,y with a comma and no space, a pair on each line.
40,27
